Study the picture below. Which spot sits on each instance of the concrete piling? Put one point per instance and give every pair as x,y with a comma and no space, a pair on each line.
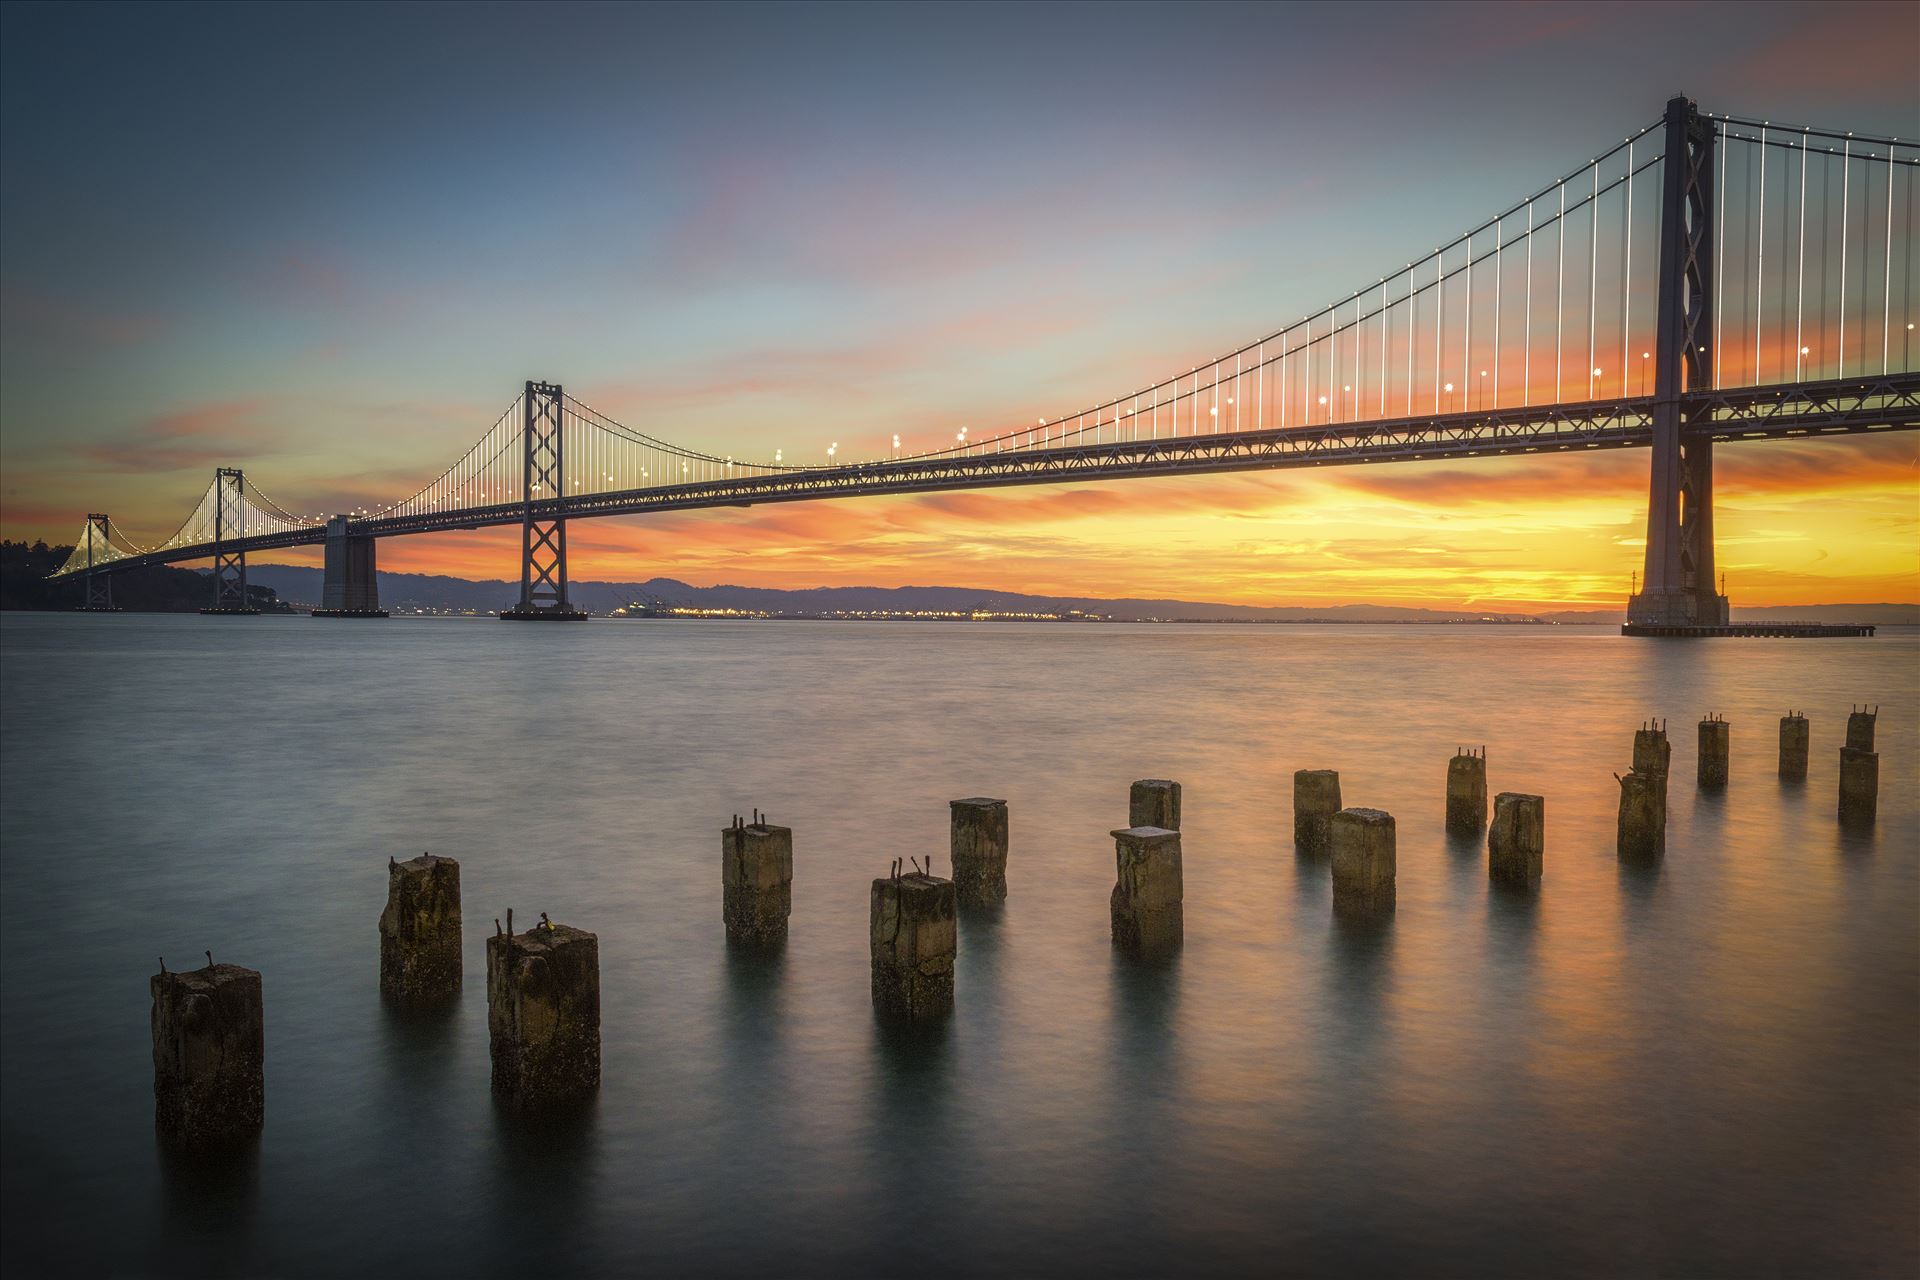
209,1054
543,1013
1794,737
1148,890
756,880
1860,723
1154,802
913,937
1517,840
1467,792
977,843
1715,738
1363,843
1859,786
1652,753
1642,832
420,929
1316,798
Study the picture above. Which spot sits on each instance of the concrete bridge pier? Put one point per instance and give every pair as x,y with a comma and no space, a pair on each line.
1467,792
1795,735
977,843
756,880
1715,741
913,937
1148,892
1316,798
350,588
209,1054
1859,786
543,1014
420,930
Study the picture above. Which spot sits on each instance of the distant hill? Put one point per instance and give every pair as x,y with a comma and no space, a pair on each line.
406,592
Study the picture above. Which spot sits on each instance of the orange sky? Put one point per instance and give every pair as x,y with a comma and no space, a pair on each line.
1826,522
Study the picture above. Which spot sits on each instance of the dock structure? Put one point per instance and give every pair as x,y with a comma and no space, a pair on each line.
977,844
420,929
1149,890
1748,630
913,938
209,1055
543,1013
756,880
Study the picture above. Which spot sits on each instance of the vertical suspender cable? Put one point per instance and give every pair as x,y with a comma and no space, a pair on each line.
1759,259
1720,263
1800,272
1593,280
1846,193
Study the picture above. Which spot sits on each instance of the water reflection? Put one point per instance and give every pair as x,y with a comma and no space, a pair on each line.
545,1174
209,1200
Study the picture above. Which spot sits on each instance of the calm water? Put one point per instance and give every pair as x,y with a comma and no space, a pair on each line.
1709,1069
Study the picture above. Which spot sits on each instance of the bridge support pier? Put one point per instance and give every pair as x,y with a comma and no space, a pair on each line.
350,588
1678,588
543,529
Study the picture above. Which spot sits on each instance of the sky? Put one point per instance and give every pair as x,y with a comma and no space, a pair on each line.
330,243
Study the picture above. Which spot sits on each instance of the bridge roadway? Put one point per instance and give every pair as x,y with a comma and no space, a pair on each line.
1888,402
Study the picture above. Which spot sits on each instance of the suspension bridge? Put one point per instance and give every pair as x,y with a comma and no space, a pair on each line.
1707,279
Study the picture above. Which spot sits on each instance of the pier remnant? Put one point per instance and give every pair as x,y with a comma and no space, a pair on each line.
1859,786
1860,722
1653,757
420,929
1467,792
543,1013
977,843
209,1054
1642,831
1316,798
756,880
1794,738
1517,840
1154,802
1363,843
1715,736
913,937
1148,890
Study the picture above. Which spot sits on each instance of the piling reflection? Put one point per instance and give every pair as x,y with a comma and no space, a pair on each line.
208,1199
1361,973
546,1172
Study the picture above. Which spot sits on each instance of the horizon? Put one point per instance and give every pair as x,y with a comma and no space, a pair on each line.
825,252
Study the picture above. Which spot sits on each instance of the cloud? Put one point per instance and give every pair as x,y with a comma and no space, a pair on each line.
226,432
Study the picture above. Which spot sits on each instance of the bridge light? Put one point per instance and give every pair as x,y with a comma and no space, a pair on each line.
1596,373
1808,350
1323,399
1214,412
1449,389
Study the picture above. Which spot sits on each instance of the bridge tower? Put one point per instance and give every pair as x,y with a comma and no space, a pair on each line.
229,521
543,524
1678,586
99,583
349,588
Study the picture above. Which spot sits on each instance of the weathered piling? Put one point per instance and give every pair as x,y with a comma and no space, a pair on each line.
1154,802
1517,840
1467,792
912,936
209,1054
1148,890
1642,832
420,929
543,1013
1715,738
1363,843
1859,786
977,843
756,880
1316,798
1860,723
1652,753
1794,737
